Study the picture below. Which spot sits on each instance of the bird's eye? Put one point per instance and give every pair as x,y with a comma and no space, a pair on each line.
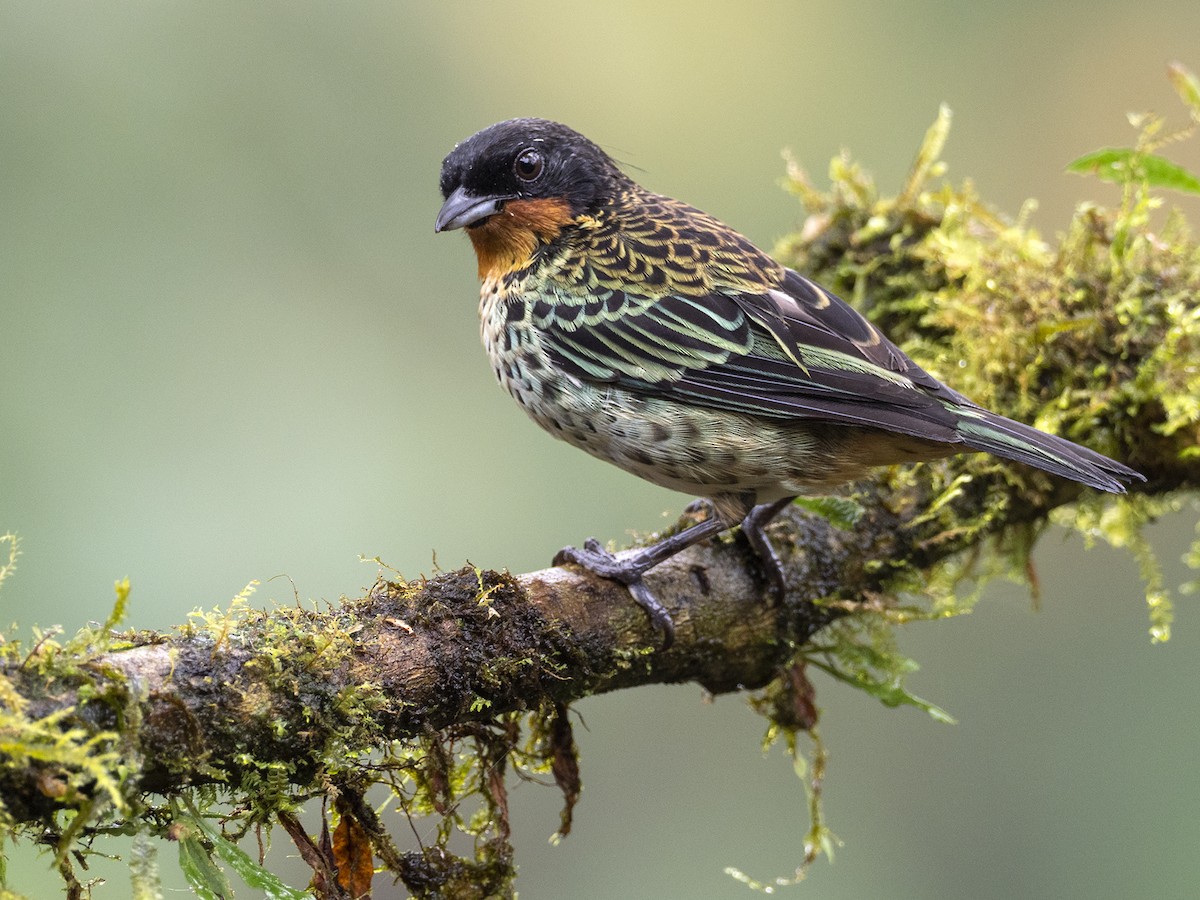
528,165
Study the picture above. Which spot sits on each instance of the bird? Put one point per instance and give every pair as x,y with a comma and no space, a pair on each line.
655,337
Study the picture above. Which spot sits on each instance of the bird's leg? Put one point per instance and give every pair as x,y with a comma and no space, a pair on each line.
754,527
700,505
629,567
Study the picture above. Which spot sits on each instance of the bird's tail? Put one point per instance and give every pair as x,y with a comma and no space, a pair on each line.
1005,438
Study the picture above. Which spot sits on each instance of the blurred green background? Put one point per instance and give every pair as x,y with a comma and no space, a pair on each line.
231,347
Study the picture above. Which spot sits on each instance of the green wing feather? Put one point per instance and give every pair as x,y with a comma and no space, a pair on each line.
762,354
793,352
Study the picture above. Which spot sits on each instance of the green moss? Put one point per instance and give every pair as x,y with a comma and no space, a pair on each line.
944,275
1096,337
77,758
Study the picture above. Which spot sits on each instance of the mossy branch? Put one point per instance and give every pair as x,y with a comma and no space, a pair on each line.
246,689
1098,340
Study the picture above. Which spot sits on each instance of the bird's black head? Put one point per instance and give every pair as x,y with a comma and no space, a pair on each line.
522,160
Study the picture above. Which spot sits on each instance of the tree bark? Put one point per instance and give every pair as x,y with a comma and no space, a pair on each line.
288,684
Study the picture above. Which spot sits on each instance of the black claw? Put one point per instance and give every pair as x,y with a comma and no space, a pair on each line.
754,527
628,572
596,559
629,569
770,565
659,617
776,584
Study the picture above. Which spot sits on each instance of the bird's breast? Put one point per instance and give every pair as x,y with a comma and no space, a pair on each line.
519,361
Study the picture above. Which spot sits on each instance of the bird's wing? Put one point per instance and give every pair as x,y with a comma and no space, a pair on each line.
815,326
792,352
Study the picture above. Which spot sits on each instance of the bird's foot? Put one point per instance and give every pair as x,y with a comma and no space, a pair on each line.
629,568
628,571
754,526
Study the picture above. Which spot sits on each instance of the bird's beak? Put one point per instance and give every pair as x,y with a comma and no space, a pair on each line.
462,209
